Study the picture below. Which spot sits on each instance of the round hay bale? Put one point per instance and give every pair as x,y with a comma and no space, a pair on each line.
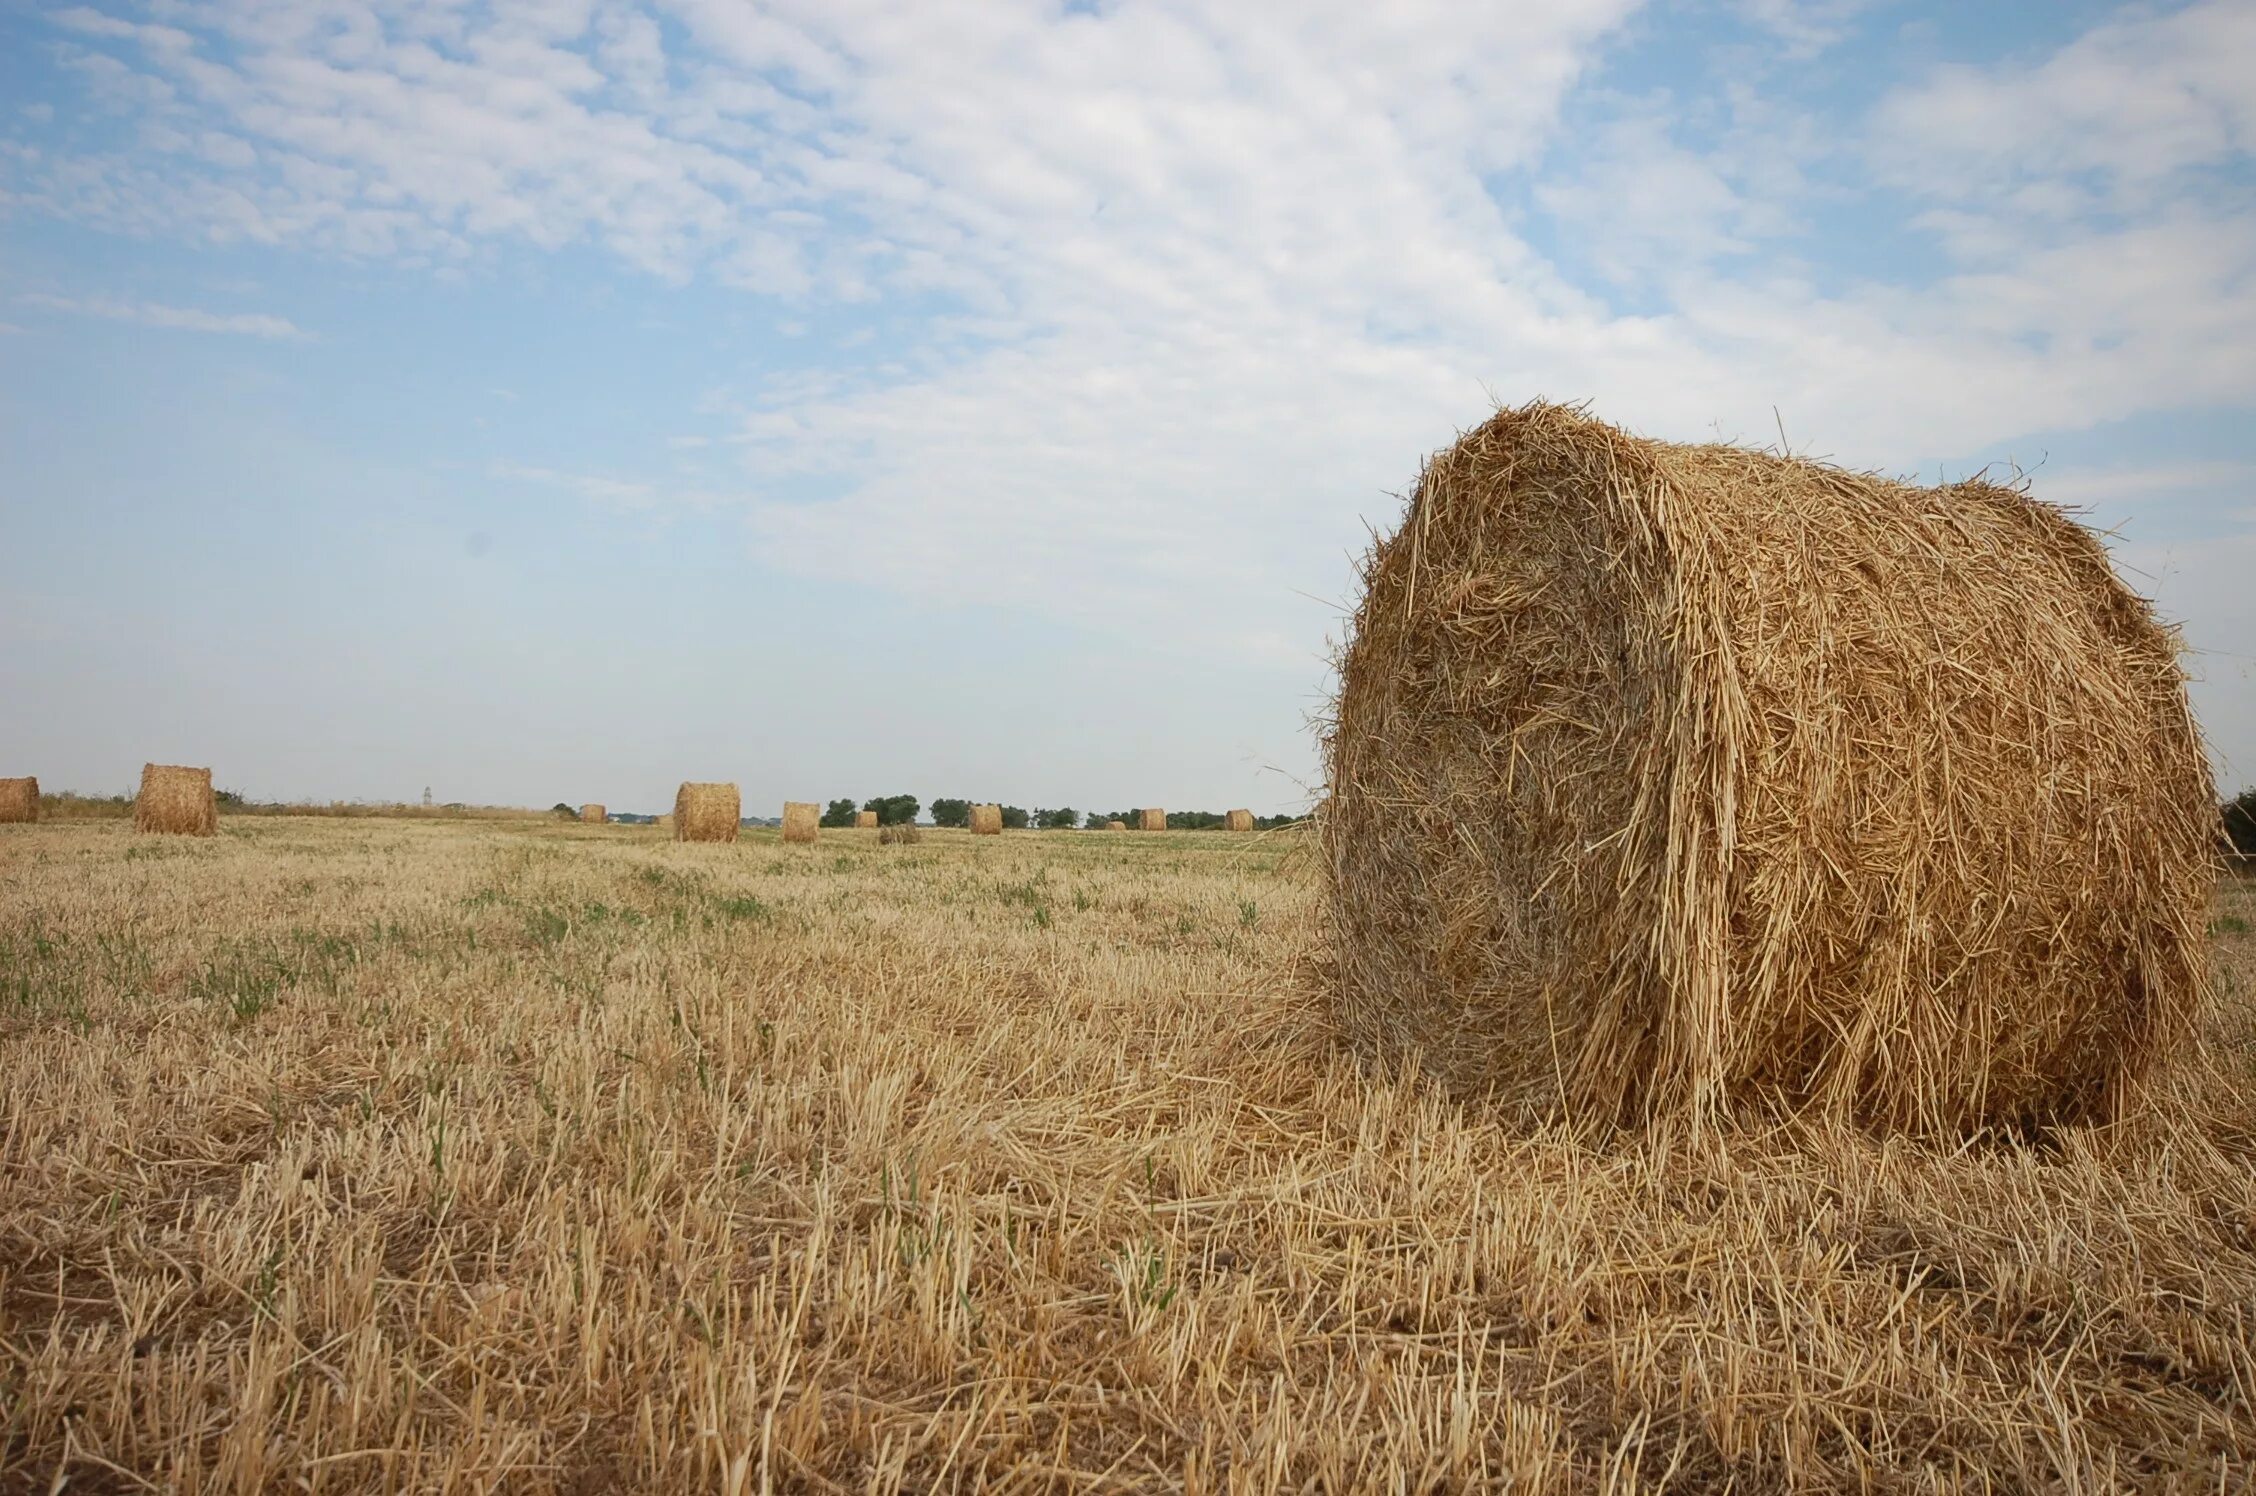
1116,825
594,815
1667,779
899,834
177,801
865,820
1151,820
706,812
19,800
986,820
800,820
1238,820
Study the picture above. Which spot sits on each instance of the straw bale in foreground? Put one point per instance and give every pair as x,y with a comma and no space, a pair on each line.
864,820
706,812
176,800
1670,778
19,800
1151,820
1239,820
800,820
986,820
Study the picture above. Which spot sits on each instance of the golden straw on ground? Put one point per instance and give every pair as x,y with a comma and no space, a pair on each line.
19,800
800,820
1669,779
706,812
176,800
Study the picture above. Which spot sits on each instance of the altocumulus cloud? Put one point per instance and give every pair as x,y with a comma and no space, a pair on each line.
1192,287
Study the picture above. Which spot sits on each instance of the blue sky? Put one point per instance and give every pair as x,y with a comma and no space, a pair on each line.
560,400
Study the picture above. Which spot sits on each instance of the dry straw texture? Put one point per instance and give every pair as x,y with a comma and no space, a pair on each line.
394,1156
865,820
176,800
1151,820
1116,825
986,820
801,820
706,812
1239,820
19,800
594,814
1668,778
901,834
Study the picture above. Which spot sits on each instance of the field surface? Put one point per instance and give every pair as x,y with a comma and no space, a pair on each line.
383,1155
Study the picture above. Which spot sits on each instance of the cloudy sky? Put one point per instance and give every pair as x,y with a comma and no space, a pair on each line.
556,400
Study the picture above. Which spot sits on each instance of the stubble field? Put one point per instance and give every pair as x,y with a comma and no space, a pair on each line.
385,1155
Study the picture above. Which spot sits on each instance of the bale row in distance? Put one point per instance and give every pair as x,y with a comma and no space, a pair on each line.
706,812
176,800
801,819
1669,780
986,820
19,800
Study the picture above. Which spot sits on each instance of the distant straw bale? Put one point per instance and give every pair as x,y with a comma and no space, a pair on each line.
706,812
1670,780
899,834
986,820
1239,820
19,800
864,819
176,800
801,818
1151,820
1116,826
594,814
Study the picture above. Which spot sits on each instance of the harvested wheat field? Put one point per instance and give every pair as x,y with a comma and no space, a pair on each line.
419,1155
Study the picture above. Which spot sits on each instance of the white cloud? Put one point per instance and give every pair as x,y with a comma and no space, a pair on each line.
184,319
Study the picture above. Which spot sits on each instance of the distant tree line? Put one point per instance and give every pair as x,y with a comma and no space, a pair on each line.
955,810
2240,822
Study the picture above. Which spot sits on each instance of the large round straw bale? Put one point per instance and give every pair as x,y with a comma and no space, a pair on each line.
594,814
1666,779
1238,820
864,820
176,800
706,812
19,800
800,820
986,820
1116,825
1151,820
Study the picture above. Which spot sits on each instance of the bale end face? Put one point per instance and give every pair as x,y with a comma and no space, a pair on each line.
1239,820
1669,781
1151,820
800,820
176,801
19,800
865,820
706,812
986,820
594,815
